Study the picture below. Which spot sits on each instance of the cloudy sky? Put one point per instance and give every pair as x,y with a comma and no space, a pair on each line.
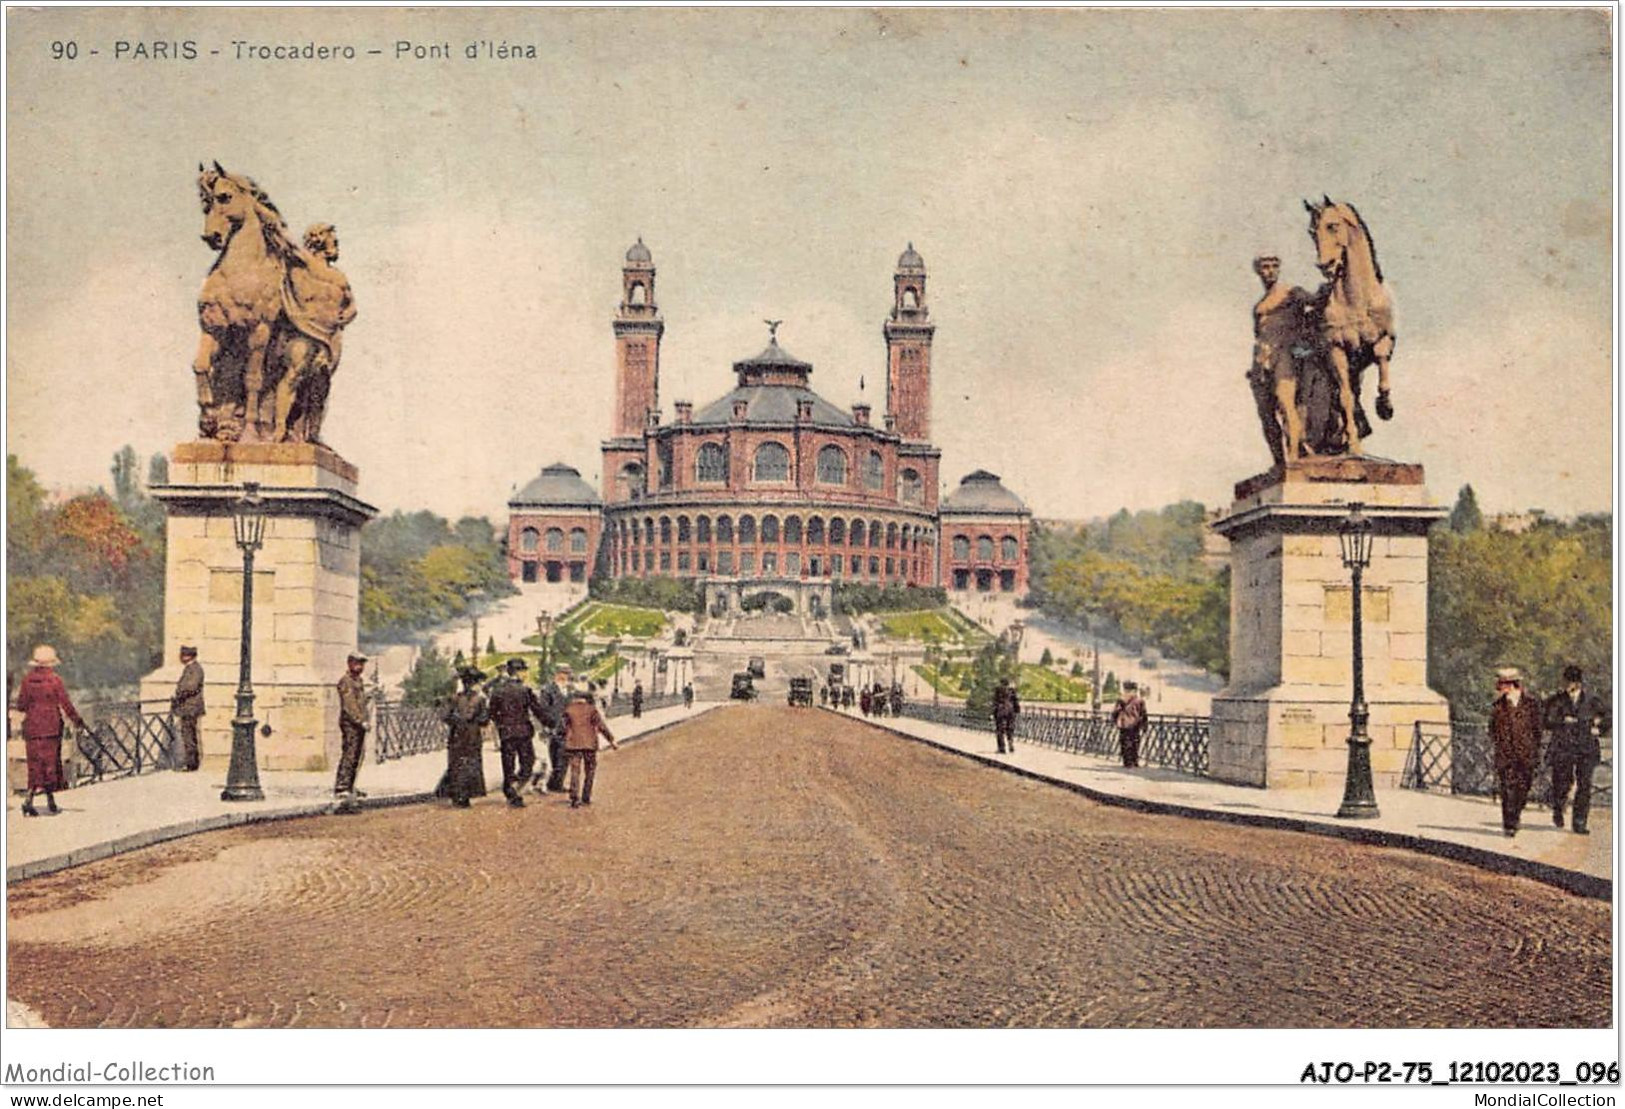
1087,189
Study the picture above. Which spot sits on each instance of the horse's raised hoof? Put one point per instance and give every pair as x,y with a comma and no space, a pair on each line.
1385,405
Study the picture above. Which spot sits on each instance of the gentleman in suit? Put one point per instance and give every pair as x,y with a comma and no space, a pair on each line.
1006,707
1576,719
583,724
354,703
513,703
187,707
554,697
1515,727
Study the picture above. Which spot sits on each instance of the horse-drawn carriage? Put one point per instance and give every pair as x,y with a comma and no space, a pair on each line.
801,692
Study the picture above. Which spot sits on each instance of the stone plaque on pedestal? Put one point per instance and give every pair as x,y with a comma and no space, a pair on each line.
1283,720
307,582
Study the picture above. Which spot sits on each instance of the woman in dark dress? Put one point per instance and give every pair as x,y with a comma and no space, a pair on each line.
43,701
466,714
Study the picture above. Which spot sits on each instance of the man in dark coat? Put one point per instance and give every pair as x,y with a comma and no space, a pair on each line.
354,701
513,703
1129,716
1576,719
1515,727
187,706
554,697
637,700
1006,707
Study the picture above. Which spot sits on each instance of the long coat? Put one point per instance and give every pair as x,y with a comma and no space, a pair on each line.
43,701
1515,732
513,703
467,715
1570,724
188,699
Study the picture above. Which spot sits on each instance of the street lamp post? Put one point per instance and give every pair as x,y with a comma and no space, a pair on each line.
474,597
1359,799
248,528
544,631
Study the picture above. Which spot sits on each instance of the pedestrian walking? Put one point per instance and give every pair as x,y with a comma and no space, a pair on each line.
866,701
1515,727
554,697
354,703
877,700
1006,707
637,700
1129,717
896,699
688,695
466,714
1576,720
583,724
186,706
43,701
823,696
846,697
513,704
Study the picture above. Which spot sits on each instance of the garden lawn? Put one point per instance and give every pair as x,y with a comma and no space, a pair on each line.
618,621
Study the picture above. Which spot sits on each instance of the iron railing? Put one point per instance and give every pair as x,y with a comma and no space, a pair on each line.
1458,757
404,730
1177,742
622,705
122,741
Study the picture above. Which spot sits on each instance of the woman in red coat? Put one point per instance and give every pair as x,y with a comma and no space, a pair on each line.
43,701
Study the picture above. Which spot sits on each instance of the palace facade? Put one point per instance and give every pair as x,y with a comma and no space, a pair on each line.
771,481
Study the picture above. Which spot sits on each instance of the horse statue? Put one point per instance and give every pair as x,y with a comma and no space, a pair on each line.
271,312
1353,319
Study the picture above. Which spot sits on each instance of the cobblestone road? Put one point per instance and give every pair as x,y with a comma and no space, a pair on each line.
764,866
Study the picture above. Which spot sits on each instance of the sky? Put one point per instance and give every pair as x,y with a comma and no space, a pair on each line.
1087,188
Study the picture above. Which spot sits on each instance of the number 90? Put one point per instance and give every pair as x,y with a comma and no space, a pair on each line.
61,50
1597,1072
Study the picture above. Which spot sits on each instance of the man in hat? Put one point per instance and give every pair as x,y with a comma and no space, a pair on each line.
354,703
1515,727
1006,707
637,700
554,697
513,703
583,724
187,706
1129,717
1577,720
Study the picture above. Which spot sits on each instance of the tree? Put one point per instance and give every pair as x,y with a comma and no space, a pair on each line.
1466,516
126,481
1108,686
991,664
157,470
491,645
1077,670
430,680
1047,658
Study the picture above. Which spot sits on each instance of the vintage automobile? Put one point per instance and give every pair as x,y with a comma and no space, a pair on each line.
801,692
757,666
744,687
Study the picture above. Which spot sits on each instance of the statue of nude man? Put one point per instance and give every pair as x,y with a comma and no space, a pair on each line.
1278,326
325,306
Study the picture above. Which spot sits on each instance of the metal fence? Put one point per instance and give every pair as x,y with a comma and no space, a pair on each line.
122,740
1177,742
404,730
1458,757
622,705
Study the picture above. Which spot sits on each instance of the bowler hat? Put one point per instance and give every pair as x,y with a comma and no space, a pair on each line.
185,650
1131,685
471,674
1573,674
518,664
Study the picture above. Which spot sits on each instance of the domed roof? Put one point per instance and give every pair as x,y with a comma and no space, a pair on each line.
557,486
910,261
980,491
638,253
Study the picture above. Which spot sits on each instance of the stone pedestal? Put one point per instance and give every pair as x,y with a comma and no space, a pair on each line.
1284,718
307,583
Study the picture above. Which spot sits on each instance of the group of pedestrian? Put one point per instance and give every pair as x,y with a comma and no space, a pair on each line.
879,701
1572,722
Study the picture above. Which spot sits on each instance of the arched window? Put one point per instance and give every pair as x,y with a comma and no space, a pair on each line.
649,530
891,537
725,530
1009,549
630,482
528,539
911,299
792,529
837,530
747,529
772,463
702,529
555,539
832,466
665,529
984,548
875,533
874,471
711,464
910,490
770,529
635,293
685,531
961,547
815,531
578,540
857,533
633,534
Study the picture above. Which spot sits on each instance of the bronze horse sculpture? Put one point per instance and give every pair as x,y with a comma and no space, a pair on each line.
270,312
1353,324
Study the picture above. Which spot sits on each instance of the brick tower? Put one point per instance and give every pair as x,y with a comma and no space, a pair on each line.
908,351
638,328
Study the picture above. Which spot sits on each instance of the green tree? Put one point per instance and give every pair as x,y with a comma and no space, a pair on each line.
1466,516
991,664
157,470
1108,685
430,680
491,645
1077,670
1047,658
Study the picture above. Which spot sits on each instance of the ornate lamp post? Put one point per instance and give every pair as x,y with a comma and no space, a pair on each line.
615,648
544,630
1359,799
248,528
474,597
